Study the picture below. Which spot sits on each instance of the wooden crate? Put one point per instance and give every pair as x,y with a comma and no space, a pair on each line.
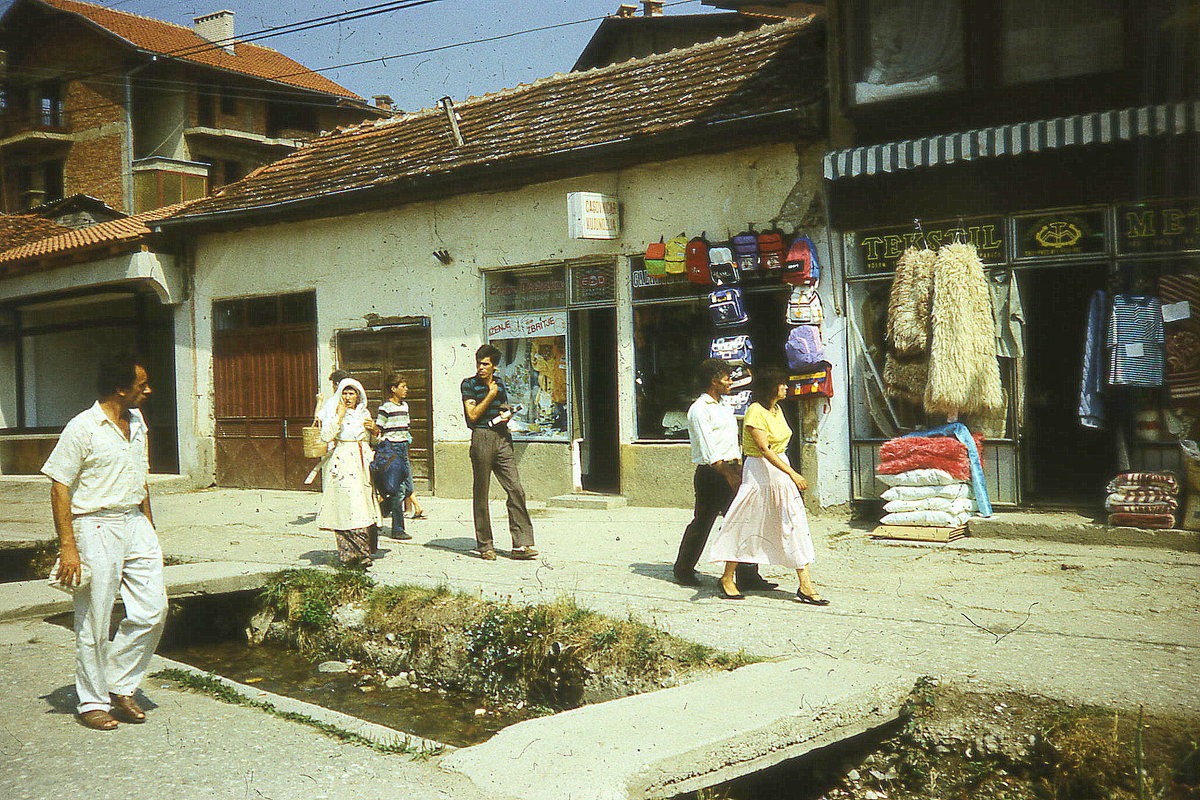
918,533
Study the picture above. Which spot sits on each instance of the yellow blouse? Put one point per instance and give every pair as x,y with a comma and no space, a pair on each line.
779,433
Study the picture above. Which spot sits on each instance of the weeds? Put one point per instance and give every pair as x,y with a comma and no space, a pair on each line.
210,685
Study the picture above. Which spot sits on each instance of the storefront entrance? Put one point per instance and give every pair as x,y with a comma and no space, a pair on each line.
1066,464
370,356
594,360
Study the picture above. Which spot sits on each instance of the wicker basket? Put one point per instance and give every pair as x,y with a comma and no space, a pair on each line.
313,446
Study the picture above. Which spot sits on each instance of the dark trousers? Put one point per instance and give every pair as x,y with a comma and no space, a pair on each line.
492,452
713,496
393,478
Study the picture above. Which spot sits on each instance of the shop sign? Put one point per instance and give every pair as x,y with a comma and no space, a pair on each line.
878,250
1159,226
592,284
525,289
650,287
591,215
527,326
1048,235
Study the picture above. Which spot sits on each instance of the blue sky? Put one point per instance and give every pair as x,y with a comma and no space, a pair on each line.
417,82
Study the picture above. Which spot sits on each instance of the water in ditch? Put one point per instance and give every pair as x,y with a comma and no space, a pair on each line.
208,632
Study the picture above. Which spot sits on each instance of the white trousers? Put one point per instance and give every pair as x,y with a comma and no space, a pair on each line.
122,550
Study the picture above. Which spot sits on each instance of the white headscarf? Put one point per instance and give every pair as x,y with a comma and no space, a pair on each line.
352,423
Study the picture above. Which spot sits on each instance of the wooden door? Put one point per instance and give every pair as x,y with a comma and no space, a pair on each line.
264,382
370,356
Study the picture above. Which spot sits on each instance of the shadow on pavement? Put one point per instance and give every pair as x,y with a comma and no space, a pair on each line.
304,519
63,700
321,558
460,544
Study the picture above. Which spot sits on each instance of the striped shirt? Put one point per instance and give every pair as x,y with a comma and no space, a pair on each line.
1135,342
393,422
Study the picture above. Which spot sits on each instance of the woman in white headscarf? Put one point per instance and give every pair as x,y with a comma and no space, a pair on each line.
349,507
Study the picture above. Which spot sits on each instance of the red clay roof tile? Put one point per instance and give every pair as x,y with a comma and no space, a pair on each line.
774,69
158,36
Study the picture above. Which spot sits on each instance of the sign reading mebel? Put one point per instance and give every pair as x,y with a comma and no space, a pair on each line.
1159,226
591,215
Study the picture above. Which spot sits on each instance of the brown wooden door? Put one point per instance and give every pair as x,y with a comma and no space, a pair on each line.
370,356
264,381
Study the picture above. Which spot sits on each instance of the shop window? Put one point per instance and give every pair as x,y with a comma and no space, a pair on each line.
905,48
261,312
533,289
533,366
592,284
1044,41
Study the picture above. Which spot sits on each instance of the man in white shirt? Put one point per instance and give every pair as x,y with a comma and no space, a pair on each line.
717,455
101,502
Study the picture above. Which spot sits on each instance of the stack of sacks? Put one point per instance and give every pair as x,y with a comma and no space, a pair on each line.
1143,500
929,478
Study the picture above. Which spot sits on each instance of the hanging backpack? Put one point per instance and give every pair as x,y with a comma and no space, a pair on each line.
726,308
770,250
734,349
817,383
675,254
800,268
745,250
804,306
695,260
740,377
738,401
721,268
804,349
656,259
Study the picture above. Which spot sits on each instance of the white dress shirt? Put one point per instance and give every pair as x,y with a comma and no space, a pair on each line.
103,469
713,430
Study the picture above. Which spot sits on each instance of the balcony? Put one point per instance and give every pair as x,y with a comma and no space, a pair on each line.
33,130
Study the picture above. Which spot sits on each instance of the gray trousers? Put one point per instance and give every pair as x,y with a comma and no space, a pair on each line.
492,451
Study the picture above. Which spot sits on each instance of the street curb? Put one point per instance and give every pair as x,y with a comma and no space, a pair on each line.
1086,533
379,734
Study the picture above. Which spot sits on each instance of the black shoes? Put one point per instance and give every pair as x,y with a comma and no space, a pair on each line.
812,601
687,579
724,595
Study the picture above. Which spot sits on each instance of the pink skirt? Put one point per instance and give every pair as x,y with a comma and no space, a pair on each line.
766,523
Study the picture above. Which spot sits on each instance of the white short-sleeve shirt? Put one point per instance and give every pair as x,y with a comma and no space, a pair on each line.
713,430
103,469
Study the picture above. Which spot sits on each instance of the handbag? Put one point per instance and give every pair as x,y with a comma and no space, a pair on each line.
310,438
818,383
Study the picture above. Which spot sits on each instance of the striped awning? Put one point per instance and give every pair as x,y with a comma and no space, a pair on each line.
1100,127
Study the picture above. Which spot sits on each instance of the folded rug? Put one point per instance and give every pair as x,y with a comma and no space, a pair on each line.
1142,520
1141,508
926,452
1144,480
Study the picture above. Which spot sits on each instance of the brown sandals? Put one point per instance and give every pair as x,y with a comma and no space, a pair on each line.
99,720
126,709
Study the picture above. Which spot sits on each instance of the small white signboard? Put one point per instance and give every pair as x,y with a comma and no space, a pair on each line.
527,326
591,215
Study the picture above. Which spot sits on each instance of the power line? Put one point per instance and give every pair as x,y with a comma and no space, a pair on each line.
384,59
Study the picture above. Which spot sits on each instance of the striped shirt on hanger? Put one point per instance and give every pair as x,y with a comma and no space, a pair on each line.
1136,342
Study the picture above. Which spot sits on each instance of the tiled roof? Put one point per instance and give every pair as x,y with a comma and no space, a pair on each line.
166,38
751,76
68,241
19,229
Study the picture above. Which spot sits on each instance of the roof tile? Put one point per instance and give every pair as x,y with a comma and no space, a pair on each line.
762,72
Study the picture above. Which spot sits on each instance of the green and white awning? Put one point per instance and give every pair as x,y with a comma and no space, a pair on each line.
1101,127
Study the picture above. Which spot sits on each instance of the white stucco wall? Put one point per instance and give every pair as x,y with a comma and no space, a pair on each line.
381,262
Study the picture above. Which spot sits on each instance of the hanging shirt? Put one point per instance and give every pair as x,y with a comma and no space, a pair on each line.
1136,342
1008,315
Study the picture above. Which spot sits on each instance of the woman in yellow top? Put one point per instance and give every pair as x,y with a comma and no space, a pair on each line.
766,522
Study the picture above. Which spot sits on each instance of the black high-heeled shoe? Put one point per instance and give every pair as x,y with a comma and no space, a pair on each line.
724,595
812,601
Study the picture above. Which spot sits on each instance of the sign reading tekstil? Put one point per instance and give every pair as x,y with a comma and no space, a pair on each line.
878,250
1159,226
1049,235
591,215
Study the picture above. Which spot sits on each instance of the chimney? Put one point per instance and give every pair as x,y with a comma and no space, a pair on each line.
383,101
652,8
217,27
626,10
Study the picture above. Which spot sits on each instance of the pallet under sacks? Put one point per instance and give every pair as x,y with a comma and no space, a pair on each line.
929,496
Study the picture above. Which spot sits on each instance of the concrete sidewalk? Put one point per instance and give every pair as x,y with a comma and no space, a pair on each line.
1091,623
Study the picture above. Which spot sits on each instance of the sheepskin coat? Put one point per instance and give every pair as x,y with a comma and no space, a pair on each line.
906,364
964,376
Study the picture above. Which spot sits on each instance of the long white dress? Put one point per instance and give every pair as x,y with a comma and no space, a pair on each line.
348,500
766,522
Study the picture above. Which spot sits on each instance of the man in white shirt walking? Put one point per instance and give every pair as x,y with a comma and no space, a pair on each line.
717,455
101,502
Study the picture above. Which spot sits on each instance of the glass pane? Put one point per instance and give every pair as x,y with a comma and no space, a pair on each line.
525,289
262,311
228,314
534,371
907,47
592,283
668,347
299,308
1062,39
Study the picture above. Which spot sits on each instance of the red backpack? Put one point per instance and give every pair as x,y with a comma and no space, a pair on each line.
695,258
